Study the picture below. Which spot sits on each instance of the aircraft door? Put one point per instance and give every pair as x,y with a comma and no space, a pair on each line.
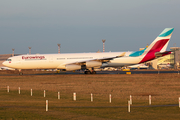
18,59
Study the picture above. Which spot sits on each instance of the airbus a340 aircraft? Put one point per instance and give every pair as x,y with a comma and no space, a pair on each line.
89,61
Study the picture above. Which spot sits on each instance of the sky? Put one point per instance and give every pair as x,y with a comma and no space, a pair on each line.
80,25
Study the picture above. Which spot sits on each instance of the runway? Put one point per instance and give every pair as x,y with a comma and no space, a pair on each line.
97,72
127,72
137,72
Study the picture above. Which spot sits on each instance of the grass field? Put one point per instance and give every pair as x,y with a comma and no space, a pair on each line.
164,89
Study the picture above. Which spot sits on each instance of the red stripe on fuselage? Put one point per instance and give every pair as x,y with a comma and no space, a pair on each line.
156,48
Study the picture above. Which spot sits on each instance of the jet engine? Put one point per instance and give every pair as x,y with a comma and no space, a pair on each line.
91,64
72,67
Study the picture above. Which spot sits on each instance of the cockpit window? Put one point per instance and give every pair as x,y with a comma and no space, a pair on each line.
8,60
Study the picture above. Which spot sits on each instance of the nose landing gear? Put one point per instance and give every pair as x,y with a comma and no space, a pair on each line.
20,72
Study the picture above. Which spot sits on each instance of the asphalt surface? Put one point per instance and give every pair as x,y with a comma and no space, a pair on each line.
125,72
136,72
98,72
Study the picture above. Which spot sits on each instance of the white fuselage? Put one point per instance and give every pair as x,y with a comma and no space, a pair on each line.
76,61
59,61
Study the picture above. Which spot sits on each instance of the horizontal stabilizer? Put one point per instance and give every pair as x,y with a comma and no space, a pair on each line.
160,54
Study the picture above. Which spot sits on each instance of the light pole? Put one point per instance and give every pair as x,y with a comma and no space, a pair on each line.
13,52
103,45
59,45
29,50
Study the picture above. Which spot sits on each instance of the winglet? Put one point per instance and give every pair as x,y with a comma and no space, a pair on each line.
121,54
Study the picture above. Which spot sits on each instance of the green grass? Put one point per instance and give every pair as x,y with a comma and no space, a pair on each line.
24,106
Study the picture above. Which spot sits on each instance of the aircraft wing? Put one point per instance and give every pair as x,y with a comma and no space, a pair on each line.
109,58
105,59
160,54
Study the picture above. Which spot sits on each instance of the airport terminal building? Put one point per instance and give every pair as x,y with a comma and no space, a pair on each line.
175,57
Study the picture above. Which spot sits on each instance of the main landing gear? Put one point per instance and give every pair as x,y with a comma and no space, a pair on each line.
90,71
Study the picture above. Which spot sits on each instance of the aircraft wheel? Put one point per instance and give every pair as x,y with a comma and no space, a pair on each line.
88,72
94,72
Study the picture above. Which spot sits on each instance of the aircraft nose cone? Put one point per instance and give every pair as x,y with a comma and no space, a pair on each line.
4,63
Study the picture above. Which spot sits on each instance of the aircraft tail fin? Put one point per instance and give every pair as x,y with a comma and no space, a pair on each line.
158,45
